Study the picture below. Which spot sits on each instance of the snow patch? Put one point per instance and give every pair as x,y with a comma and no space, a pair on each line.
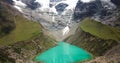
44,3
19,5
53,10
18,8
53,18
65,30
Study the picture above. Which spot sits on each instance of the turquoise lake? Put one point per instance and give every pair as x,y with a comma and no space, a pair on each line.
63,53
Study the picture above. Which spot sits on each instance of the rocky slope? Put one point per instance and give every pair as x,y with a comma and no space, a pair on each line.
104,11
25,41
25,51
10,24
100,38
112,56
53,15
97,39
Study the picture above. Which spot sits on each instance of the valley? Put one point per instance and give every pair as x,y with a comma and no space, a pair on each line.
59,31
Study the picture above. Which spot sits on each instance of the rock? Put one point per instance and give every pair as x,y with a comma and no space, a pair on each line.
10,2
24,51
61,7
31,4
116,2
93,44
55,0
111,56
105,12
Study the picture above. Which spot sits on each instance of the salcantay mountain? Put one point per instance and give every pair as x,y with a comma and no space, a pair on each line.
59,31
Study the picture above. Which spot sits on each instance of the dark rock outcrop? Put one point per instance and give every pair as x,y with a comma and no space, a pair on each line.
61,7
10,2
116,2
31,4
90,9
55,0
105,12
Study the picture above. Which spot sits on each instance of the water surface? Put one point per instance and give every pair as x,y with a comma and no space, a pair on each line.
63,53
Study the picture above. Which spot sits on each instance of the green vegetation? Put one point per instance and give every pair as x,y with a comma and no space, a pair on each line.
27,49
14,27
92,44
22,35
95,37
100,30
24,30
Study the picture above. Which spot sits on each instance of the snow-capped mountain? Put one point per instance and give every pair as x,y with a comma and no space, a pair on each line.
52,14
44,4
57,14
104,11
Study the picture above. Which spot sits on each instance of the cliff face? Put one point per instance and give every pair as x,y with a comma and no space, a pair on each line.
104,11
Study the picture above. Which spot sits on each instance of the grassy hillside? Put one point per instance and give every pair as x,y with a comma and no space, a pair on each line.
102,31
14,27
24,30
24,41
95,37
26,51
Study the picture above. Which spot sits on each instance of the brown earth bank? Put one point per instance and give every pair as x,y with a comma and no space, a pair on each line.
111,56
